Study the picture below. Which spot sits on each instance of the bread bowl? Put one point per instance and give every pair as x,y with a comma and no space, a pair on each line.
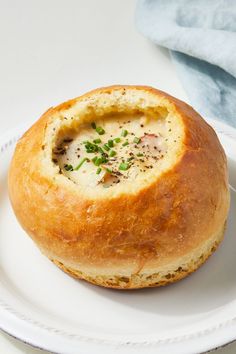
147,214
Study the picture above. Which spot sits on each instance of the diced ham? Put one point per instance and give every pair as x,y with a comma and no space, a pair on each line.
151,142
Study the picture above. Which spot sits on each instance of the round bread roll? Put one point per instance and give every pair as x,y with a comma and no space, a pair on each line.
125,187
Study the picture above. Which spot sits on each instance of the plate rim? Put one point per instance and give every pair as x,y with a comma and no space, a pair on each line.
9,138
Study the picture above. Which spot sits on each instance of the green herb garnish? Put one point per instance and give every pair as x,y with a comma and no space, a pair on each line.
93,125
97,161
117,140
125,143
100,130
97,141
98,170
90,147
108,170
124,166
137,140
139,154
112,153
81,163
68,167
106,147
124,133
100,150
110,143
130,158
104,158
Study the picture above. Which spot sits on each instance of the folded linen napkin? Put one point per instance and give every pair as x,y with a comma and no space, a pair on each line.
201,35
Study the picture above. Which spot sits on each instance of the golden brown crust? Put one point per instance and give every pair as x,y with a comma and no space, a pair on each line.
183,208
155,279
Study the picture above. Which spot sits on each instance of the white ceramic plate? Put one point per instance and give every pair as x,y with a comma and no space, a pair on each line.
41,305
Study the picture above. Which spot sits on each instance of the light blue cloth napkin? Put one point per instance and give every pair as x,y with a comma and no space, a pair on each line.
201,35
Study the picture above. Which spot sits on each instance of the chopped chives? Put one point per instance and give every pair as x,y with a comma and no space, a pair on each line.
97,141
93,124
130,158
99,161
90,147
68,167
108,170
125,143
100,150
112,153
106,147
90,150
81,163
139,154
100,130
110,143
98,170
124,166
124,133
94,159
117,140
103,159
137,140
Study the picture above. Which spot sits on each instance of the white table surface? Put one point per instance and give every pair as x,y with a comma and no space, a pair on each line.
53,50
